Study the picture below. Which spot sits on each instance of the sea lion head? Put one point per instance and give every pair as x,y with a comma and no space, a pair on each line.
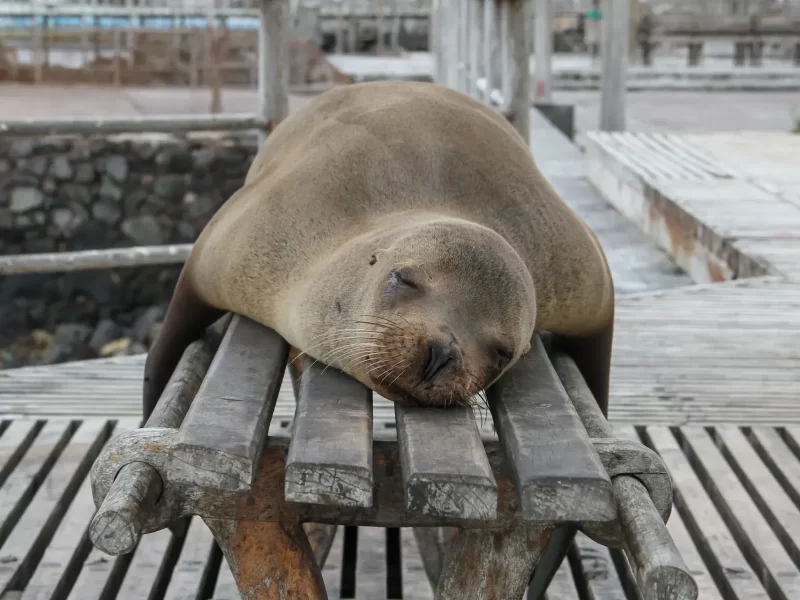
441,310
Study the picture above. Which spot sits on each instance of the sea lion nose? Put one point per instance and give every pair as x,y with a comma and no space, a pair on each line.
440,357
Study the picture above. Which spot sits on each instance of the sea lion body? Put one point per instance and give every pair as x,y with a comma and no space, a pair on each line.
389,175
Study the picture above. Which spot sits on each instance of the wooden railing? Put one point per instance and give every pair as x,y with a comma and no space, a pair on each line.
482,48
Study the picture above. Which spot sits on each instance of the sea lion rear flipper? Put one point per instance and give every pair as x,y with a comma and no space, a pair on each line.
592,356
186,320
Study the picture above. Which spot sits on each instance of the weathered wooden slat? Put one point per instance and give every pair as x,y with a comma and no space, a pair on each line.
780,459
768,494
330,455
332,571
99,574
14,442
61,563
562,586
371,563
748,526
444,466
28,541
729,568
145,574
225,588
221,437
706,587
558,473
597,570
22,483
415,580
191,572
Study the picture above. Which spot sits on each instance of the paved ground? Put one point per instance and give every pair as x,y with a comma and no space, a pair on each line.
647,110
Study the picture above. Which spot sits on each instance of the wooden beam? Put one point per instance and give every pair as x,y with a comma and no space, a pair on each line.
445,469
543,51
330,455
615,64
273,61
159,123
519,39
221,438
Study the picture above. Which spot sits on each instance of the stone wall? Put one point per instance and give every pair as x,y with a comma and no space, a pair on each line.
77,193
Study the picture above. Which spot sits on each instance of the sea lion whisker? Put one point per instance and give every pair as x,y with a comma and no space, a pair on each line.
391,369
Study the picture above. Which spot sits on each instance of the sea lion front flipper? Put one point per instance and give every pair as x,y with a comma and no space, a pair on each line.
592,356
186,320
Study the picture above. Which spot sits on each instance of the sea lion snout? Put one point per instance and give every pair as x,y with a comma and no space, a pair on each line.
442,357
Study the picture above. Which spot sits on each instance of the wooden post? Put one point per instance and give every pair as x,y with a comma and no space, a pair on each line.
543,51
38,43
615,65
273,61
380,25
489,42
474,45
213,57
340,27
394,42
117,58
519,19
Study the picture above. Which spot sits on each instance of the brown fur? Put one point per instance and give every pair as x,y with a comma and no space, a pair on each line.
372,177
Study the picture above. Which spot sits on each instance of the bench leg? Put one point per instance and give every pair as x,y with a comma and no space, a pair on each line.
492,565
550,561
269,561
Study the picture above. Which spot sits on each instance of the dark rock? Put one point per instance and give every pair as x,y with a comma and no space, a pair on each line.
61,169
146,151
109,191
200,206
203,159
84,172
103,287
98,145
5,166
23,222
91,235
134,201
170,187
69,341
144,230
18,178
39,217
62,218
24,199
107,211
204,182
6,219
175,160
80,150
185,232
145,322
106,332
70,192
21,148
39,244
136,348
117,168
37,165
49,186
80,213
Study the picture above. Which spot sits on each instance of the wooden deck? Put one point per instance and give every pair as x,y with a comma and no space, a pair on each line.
736,522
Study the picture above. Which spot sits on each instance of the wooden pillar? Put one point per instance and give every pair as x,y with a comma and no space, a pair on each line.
519,105
273,61
380,24
116,34
615,65
462,57
543,51
489,43
475,17
394,42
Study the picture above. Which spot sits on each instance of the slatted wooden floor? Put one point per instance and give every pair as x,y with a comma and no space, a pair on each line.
736,522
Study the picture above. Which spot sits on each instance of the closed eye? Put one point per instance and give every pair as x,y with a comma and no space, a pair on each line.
404,279
503,354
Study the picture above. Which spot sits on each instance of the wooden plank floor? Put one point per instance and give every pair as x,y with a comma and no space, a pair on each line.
736,522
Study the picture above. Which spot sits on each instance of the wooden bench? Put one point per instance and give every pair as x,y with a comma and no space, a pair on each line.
514,502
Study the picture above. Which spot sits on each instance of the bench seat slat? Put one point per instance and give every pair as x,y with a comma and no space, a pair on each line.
330,455
557,471
224,431
445,468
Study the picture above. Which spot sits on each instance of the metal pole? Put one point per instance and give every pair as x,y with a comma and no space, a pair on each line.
520,89
543,51
615,64
273,61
